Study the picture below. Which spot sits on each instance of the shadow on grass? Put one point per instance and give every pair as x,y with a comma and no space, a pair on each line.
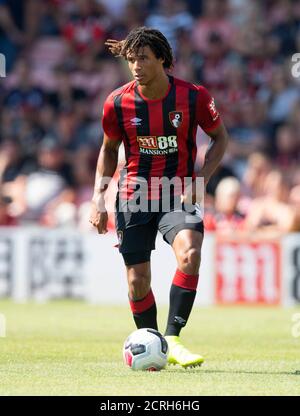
201,370
273,373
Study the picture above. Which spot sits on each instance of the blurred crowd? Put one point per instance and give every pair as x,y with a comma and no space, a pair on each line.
59,74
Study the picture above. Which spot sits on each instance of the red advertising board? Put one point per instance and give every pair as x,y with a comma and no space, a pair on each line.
248,272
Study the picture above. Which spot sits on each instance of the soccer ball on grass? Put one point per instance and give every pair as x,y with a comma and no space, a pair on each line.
145,349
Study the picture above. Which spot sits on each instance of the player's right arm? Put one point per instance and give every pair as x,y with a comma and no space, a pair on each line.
106,167
107,163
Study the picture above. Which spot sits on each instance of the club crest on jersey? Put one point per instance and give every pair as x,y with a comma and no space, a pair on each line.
175,118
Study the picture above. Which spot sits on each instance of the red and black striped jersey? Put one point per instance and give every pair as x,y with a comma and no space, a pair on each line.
159,136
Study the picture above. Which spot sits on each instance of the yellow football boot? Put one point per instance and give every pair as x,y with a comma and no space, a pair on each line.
178,354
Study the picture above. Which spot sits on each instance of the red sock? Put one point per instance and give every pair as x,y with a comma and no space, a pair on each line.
186,281
144,311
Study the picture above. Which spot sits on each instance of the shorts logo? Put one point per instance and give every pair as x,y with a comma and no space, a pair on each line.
175,118
120,236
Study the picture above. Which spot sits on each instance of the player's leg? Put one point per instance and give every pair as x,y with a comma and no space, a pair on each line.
184,232
135,245
187,248
141,298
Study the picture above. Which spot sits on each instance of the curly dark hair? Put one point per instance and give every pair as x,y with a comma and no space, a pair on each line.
139,38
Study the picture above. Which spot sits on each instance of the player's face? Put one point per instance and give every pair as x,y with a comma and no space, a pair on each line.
144,65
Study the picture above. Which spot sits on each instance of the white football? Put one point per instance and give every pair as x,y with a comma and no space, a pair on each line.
145,349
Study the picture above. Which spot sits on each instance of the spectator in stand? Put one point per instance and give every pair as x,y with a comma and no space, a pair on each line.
64,95
271,215
37,194
116,8
133,16
287,156
247,136
95,79
243,11
258,167
87,76
25,96
215,63
12,161
278,98
84,163
125,16
76,212
48,120
238,91
22,103
171,17
86,29
188,62
73,118
18,22
294,118
284,17
225,218
222,171
84,174
294,200
48,18
214,20
257,49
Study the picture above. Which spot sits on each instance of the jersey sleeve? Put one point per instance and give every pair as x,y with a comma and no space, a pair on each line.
110,121
208,117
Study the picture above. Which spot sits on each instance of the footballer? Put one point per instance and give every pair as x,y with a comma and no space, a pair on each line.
156,117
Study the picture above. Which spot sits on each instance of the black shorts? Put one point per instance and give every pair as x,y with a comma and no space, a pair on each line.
137,231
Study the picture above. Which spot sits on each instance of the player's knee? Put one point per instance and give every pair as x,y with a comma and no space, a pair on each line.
189,260
138,285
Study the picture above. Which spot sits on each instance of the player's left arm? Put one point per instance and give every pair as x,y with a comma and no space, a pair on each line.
209,119
215,152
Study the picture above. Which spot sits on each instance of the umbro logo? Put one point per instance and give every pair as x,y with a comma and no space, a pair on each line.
180,321
136,121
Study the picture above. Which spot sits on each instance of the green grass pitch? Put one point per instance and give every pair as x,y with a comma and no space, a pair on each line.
71,348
